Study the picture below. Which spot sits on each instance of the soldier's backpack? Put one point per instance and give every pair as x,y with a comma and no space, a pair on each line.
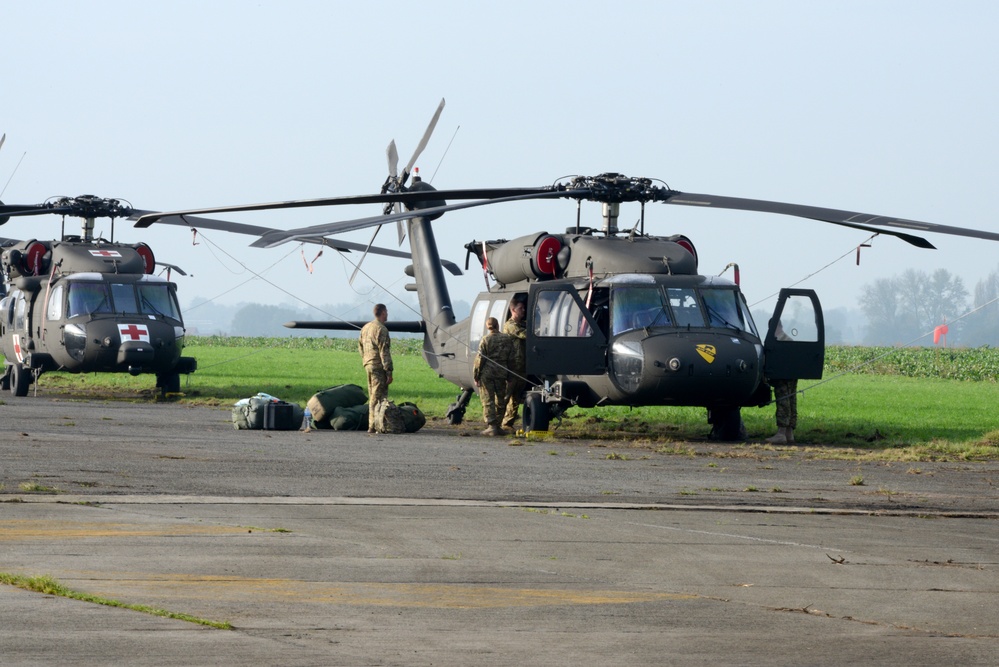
388,418
412,417
324,402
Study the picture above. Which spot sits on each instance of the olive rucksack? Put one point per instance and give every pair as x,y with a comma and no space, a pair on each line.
412,417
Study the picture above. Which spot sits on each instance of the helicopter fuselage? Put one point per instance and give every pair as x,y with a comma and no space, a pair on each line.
81,307
644,339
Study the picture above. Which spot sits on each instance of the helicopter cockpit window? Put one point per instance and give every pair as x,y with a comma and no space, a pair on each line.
725,309
123,296
87,298
21,313
557,314
686,307
157,299
638,307
54,309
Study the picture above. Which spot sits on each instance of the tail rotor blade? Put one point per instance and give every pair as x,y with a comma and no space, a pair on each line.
423,142
392,154
400,226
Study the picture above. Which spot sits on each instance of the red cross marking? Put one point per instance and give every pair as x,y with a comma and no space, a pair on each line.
134,332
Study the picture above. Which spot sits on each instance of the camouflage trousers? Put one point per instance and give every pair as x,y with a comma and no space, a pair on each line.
513,402
377,391
492,392
786,397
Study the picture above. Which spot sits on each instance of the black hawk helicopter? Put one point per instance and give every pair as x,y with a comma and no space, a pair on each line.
614,317
83,304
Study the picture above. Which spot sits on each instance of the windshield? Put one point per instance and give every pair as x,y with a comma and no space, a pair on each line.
90,298
725,308
638,307
87,298
646,306
157,299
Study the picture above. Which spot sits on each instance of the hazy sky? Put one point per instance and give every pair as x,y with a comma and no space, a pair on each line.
879,107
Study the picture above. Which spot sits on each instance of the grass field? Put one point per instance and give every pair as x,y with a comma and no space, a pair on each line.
899,403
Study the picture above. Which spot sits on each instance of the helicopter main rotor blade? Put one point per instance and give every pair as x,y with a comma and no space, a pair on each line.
255,230
278,237
380,198
32,209
835,216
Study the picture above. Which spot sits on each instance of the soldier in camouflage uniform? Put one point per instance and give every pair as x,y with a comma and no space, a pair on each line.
374,346
786,398
516,328
491,374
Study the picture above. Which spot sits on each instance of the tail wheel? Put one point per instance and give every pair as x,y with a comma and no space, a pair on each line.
455,414
536,414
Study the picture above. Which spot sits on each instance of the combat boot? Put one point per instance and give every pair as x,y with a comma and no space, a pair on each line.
789,435
780,438
489,430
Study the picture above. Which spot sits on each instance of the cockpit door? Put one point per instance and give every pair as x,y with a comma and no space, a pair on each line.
795,346
562,336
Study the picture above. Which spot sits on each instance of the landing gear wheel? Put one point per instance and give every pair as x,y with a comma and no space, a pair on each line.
20,380
536,415
727,425
168,384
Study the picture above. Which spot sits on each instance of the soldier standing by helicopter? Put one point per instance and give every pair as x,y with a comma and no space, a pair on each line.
786,398
491,375
375,348
516,328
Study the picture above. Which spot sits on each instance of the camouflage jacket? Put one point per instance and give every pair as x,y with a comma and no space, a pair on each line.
518,332
374,346
495,357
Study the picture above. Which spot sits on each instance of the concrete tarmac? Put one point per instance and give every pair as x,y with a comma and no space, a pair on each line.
446,548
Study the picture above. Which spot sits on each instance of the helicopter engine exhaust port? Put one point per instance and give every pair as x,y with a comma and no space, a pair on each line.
535,257
688,245
147,256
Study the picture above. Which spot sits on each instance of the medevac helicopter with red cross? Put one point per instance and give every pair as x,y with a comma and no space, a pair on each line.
85,304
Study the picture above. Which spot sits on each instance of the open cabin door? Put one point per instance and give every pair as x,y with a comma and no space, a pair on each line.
795,346
562,336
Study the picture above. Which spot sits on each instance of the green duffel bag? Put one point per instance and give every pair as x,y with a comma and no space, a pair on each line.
323,403
350,419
